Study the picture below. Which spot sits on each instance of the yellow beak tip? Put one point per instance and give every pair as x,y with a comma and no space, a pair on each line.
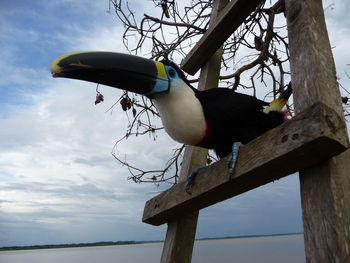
55,69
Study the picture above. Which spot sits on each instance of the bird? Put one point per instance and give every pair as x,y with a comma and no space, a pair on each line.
220,119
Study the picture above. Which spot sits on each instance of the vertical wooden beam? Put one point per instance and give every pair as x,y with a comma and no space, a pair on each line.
325,188
179,240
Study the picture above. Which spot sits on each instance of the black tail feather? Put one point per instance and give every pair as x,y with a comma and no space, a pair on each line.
286,93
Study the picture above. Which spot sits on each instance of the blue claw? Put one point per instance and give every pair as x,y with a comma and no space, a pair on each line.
233,157
191,177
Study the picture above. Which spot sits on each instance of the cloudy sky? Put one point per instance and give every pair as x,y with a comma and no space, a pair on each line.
58,180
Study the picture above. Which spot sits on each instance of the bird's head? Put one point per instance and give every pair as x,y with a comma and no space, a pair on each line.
123,71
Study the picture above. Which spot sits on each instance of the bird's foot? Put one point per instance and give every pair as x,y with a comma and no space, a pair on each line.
233,157
191,177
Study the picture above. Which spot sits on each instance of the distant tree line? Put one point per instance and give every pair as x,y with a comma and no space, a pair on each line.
96,244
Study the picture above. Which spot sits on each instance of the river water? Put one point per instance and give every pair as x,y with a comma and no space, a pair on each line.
270,249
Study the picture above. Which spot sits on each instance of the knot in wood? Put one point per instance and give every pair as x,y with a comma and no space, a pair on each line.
295,136
284,138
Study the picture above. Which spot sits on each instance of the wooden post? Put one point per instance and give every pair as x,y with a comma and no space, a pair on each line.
179,240
325,188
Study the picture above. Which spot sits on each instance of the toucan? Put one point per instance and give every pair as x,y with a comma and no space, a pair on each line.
214,119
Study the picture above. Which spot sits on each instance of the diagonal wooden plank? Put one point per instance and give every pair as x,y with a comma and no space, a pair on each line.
230,18
312,136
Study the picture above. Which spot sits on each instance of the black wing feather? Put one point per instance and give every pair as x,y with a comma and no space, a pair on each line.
234,117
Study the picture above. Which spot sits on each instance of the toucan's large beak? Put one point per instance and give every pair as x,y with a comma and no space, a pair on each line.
127,72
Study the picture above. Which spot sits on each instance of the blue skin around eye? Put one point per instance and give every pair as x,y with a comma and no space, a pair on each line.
163,84
175,75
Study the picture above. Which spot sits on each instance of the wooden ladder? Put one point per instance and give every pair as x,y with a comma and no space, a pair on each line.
314,143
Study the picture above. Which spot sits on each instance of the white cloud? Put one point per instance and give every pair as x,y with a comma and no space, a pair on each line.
57,172
338,23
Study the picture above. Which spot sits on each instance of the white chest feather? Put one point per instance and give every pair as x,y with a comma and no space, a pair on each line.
181,114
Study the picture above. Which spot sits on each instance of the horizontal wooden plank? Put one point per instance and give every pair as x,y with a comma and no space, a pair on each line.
309,138
230,18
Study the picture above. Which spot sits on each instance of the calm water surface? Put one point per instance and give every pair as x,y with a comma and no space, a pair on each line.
241,250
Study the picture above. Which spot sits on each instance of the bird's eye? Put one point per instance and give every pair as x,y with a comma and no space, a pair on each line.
171,72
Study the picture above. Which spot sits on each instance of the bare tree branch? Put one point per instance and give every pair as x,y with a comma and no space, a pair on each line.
255,57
